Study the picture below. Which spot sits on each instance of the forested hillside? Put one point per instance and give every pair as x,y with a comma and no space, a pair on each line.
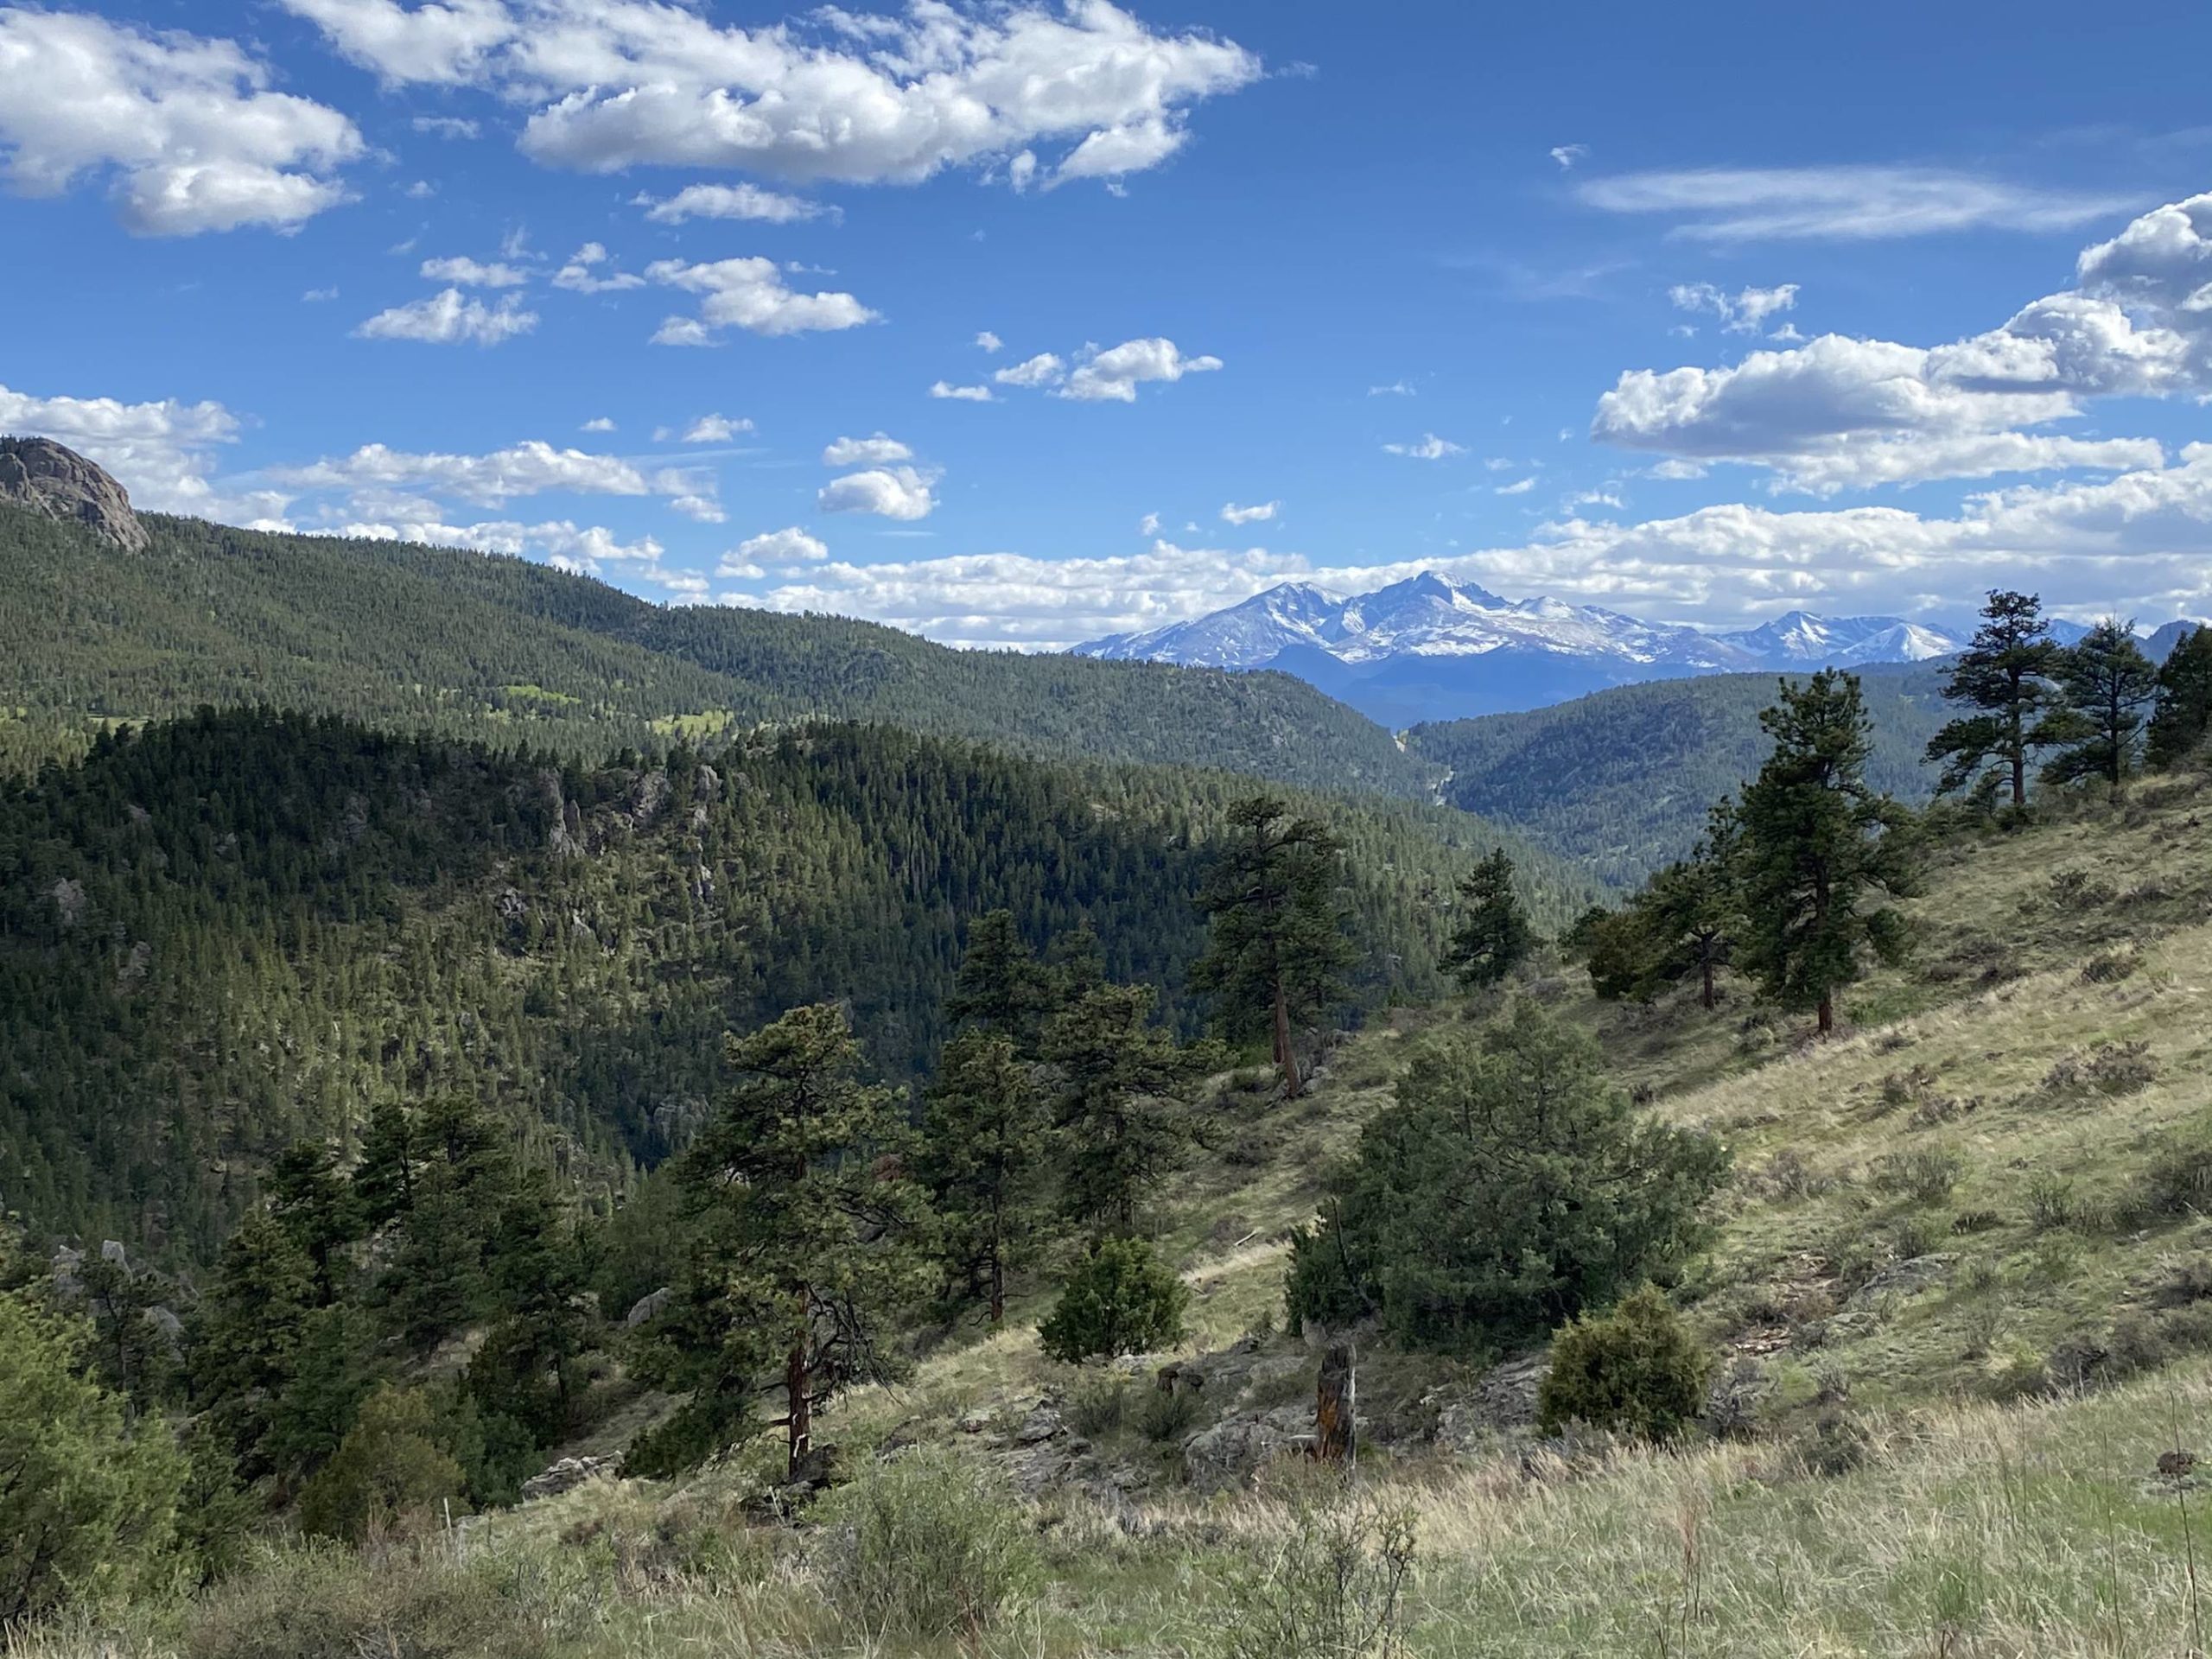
244,928
1620,781
463,643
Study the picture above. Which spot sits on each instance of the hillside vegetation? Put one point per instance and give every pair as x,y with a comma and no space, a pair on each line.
437,640
233,931
1620,781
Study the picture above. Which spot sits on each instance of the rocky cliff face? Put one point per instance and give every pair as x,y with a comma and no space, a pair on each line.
39,473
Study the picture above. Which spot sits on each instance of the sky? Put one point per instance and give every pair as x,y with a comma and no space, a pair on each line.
1021,324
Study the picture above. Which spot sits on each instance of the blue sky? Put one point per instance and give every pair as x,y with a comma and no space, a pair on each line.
1702,320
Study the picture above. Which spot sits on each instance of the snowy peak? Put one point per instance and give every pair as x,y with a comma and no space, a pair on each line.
1800,638
1246,635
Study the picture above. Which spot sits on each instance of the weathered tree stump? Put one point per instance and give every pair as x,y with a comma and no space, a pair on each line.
1334,1406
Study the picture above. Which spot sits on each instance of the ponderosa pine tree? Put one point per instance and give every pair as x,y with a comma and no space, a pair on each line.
315,1204
384,1178
984,1125
1692,908
1817,843
2004,674
807,1218
1124,1123
1277,950
2183,719
1000,987
2109,682
248,1328
1493,936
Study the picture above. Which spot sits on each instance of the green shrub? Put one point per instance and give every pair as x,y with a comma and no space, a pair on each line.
1122,1300
1168,1414
1097,1405
389,1474
929,1544
323,1599
1922,1174
88,1500
2050,1201
2177,1181
1636,1370
1330,1582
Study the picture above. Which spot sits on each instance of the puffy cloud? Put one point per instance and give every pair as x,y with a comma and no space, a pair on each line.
468,273
747,201
1742,313
708,428
1233,514
701,509
1431,447
163,452
902,492
1043,369
598,423
877,451
2140,543
1114,375
1837,413
962,394
988,341
186,126
530,468
448,318
1520,487
1567,155
1749,204
559,542
581,275
789,546
867,99
1149,524
748,293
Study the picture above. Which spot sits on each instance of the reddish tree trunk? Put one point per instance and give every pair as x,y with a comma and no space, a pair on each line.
1286,1057
798,1392
1827,1014
1334,1403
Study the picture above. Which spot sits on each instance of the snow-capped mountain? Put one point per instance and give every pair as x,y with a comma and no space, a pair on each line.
1803,640
1430,648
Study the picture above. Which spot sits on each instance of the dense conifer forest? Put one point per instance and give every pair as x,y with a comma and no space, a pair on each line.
421,639
234,930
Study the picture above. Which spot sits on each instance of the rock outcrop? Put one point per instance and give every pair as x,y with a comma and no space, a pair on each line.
39,473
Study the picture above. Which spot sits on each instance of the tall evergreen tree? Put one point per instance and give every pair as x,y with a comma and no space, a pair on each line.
1000,987
2183,719
1124,1123
982,1158
806,1214
1275,960
315,1204
2108,684
2004,674
384,1179
250,1323
1494,936
1817,845
1693,910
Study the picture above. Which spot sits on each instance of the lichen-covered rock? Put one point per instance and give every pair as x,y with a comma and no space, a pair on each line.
570,1473
647,1306
43,476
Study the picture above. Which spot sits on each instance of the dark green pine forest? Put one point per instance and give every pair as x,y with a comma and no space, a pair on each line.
436,640
241,929
1620,782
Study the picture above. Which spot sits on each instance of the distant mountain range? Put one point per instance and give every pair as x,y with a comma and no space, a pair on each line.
1429,648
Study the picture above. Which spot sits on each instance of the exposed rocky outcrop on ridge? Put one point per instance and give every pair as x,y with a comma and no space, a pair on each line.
42,476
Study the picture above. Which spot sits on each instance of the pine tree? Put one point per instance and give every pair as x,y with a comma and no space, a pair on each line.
315,1204
1494,936
384,1180
250,1323
1693,910
983,1129
807,1216
2004,674
999,988
1816,844
1124,1125
1276,957
2109,682
2183,719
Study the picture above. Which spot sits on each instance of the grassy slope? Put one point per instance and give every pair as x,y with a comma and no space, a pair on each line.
1620,780
1979,1520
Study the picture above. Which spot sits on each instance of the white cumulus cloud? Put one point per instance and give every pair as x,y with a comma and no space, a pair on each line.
1115,374
1043,369
1233,514
901,492
185,127
1430,448
586,273
1745,312
789,546
877,451
746,201
748,293
962,394
469,273
450,317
